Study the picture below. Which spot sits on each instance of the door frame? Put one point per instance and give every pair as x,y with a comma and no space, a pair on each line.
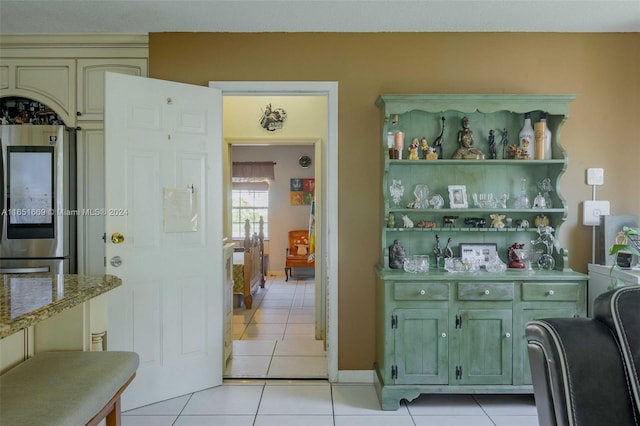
328,259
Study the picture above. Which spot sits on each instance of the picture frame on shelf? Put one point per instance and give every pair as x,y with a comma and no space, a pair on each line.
458,197
480,253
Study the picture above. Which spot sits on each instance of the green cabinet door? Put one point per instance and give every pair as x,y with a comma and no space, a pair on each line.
485,347
422,346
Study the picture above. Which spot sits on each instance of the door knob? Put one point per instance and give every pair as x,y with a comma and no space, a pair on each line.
116,261
117,238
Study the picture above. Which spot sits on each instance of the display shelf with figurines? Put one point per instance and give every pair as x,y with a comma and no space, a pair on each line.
455,178
470,135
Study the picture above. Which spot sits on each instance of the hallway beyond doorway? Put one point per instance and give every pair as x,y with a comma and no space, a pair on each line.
276,338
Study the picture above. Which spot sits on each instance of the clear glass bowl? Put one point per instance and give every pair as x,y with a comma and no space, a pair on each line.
416,264
455,264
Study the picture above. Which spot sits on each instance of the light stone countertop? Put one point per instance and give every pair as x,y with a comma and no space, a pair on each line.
26,299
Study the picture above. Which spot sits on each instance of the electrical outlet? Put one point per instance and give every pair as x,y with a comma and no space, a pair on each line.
595,176
592,210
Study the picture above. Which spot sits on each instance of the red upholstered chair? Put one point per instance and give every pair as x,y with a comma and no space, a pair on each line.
297,252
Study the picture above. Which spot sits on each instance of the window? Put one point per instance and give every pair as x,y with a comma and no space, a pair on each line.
249,200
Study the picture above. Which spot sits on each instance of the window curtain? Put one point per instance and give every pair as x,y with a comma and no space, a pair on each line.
252,171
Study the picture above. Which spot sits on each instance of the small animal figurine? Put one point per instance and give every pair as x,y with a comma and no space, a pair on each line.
406,222
449,221
426,224
522,223
475,222
497,220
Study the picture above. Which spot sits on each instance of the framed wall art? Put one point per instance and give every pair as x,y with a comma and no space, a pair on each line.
302,191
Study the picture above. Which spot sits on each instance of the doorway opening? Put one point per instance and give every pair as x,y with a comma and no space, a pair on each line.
326,193
283,333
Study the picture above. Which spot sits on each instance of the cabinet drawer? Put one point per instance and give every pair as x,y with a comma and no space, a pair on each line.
421,291
485,291
550,292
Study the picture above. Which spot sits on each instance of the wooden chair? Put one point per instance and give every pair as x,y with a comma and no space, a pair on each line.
297,252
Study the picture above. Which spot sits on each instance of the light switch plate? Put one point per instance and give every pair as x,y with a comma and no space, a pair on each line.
595,176
592,210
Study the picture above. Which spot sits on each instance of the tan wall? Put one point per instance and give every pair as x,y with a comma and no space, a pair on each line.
603,70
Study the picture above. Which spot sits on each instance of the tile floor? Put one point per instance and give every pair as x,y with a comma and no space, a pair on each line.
276,337
275,340
319,403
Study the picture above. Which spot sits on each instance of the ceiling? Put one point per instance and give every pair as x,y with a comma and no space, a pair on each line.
144,16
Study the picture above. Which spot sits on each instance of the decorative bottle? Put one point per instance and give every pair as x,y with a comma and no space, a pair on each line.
526,137
548,155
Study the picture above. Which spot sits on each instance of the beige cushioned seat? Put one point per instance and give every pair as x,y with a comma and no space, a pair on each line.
63,388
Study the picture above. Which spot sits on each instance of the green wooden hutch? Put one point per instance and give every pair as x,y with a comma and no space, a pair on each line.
443,332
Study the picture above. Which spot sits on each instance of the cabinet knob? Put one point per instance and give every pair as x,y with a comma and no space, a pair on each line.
551,292
443,335
507,335
422,292
487,292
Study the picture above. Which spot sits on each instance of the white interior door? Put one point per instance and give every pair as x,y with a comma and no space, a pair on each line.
163,173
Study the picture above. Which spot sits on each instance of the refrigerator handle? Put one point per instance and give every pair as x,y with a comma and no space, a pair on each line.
25,270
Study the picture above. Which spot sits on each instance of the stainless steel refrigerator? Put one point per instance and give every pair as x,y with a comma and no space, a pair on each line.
37,196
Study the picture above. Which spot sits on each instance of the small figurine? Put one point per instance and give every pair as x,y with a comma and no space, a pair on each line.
391,221
426,224
413,149
431,154
466,151
545,187
415,204
396,255
406,222
437,251
496,220
439,140
539,202
522,223
449,221
436,201
475,222
541,220
448,253
424,147
505,141
492,145
514,152
514,260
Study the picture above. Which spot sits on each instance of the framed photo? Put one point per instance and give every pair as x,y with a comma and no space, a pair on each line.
481,253
458,197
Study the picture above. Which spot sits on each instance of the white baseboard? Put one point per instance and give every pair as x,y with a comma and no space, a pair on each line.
355,376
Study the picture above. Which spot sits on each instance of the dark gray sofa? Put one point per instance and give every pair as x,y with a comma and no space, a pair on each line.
585,370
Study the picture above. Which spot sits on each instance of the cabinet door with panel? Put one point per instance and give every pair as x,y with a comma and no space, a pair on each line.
484,346
422,346
90,90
